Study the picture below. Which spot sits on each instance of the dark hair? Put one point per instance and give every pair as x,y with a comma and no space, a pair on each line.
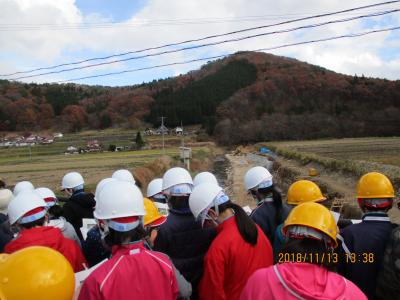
246,226
277,197
138,182
118,238
2,184
178,202
39,222
312,251
55,211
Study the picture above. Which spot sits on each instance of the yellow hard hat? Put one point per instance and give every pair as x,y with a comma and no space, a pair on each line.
304,191
152,217
315,216
374,185
36,273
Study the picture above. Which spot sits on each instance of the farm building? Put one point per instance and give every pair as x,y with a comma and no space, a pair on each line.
72,150
93,146
149,131
162,130
178,131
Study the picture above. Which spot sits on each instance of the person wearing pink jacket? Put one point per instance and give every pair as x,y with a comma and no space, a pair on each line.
133,271
303,265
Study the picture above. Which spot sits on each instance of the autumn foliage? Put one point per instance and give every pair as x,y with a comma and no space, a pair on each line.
244,98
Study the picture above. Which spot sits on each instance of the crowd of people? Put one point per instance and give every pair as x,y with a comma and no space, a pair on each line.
187,239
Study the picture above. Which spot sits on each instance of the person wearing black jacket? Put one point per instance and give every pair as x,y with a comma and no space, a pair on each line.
80,205
270,211
5,230
182,237
363,245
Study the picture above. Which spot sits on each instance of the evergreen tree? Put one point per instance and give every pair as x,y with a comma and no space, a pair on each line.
139,140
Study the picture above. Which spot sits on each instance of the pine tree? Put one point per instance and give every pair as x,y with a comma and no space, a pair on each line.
139,140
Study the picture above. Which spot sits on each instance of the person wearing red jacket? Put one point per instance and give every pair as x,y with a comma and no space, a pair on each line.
305,262
133,271
239,249
27,212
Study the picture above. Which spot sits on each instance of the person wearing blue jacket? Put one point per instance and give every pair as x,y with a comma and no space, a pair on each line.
270,211
363,244
299,192
182,237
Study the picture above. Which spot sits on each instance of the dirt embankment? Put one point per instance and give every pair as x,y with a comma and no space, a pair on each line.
337,187
239,165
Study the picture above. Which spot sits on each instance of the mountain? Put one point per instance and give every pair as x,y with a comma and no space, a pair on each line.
245,97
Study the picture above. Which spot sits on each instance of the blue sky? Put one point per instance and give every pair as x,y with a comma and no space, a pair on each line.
117,10
122,25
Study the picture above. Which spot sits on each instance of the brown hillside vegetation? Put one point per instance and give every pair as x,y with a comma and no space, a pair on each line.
295,100
244,98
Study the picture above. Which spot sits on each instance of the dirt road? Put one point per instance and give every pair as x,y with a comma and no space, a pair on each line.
334,185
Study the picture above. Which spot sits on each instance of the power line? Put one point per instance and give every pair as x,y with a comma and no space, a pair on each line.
204,38
350,35
206,45
4,27
164,21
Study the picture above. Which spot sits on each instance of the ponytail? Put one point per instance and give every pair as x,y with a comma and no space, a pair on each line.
246,226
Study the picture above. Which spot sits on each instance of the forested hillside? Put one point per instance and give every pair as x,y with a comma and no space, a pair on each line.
246,97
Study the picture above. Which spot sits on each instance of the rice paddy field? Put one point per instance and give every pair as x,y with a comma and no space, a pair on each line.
378,150
45,165
354,156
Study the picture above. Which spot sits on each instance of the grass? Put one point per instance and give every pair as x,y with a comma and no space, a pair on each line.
355,156
48,163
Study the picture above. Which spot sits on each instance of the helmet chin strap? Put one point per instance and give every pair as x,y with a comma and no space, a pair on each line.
103,228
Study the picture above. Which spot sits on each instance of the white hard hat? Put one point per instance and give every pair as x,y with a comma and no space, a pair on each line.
123,175
23,203
72,180
101,185
22,186
154,187
119,199
204,177
47,195
257,175
5,198
175,176
203,196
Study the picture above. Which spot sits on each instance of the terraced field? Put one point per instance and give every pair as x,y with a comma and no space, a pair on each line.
46,164
379,150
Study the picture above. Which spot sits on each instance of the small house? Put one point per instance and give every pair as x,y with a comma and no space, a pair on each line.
149,131
58,135
72,150
93,146
179,131
162,130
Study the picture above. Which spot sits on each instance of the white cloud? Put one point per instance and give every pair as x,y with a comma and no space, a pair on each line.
30,48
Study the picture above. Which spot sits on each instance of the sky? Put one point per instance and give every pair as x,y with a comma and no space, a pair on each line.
42,33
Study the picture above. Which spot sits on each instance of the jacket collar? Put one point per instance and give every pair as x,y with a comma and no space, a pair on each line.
77,192
128,249
227,223
182,212
375,216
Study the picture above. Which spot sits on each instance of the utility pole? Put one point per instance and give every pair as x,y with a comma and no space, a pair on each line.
162,128
183,136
